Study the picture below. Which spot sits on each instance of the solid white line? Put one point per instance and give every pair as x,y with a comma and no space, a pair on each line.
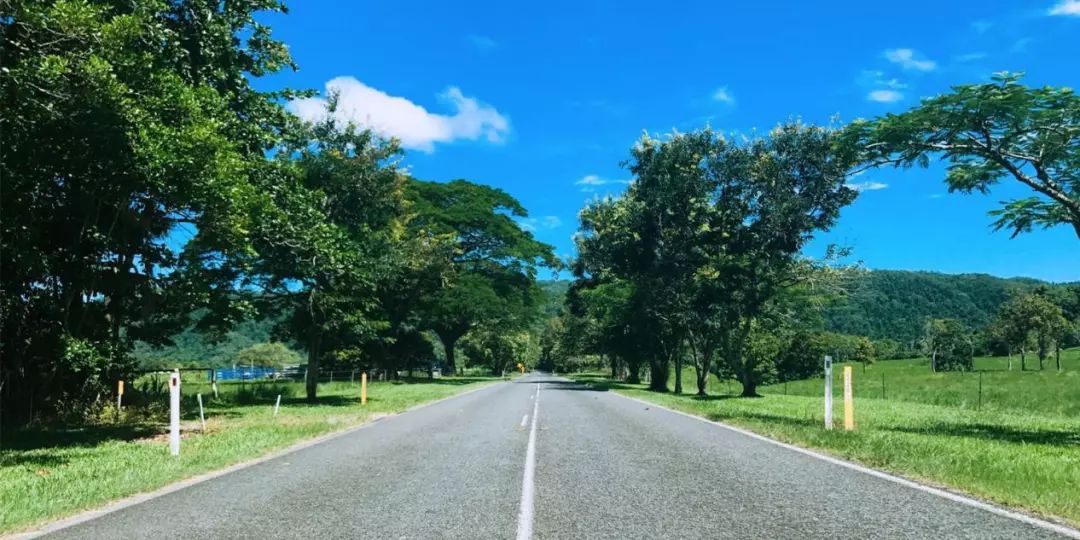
525,514
968,501
133,500
524,420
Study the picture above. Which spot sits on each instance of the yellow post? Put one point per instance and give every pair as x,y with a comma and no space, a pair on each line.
363,388
849,402
119,388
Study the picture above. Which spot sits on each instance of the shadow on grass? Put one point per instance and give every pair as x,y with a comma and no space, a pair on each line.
70,437
997,433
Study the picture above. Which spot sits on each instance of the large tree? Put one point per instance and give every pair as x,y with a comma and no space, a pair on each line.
493,265
127,126
988,132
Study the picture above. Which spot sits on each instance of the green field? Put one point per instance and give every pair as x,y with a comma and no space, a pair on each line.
1021,448
50,473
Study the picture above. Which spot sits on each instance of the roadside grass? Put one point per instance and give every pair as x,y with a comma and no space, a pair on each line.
1026,459
49,473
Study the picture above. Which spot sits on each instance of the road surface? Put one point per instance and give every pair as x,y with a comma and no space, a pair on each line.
600,466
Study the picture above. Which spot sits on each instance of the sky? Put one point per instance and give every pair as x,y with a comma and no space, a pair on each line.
545,100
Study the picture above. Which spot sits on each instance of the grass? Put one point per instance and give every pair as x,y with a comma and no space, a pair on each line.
50,473
1020,449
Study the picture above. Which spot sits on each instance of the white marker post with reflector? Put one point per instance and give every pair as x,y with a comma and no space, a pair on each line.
828,392
174,412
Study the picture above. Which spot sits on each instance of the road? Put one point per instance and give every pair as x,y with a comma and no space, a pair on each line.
600,466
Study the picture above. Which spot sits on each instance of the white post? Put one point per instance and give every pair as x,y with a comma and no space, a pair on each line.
828,392
202,417
174,412
277,405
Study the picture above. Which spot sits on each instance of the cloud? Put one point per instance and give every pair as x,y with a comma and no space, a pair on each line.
885,96
1021,45
907,60
532,224
400,118
590,182
970,57
867,186
723,95
981,26
482,43
1070,8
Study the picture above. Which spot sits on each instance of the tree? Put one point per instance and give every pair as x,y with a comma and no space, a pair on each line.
987,132
1032,319
126,125
948,343
863,351
273,354
492,269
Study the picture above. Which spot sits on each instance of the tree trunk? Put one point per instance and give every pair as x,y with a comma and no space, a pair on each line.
312,379
749,385
448,346
1010,358
678,372
658,375
1057,355
634,367
614,366
1023,359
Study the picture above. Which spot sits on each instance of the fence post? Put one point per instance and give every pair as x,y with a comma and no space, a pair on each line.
828,392
882,385
979,406
849,402
363,388
174,412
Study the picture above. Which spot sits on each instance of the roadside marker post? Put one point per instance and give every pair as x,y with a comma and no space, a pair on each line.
202,417
828,392
213,383
363,388
119,397
277,405
174,412
849,402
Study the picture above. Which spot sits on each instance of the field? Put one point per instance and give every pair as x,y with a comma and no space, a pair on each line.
1019,448
49,473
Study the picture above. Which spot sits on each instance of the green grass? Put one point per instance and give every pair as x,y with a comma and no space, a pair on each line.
1020,449
49,473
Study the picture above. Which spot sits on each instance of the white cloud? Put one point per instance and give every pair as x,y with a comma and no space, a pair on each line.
551,222
1021,45
590,181
981,26
1069,8
723,95
906,59
483,43
532,224
410,123
970,57
885,96
867,186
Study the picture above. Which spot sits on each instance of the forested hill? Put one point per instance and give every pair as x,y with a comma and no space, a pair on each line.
896,304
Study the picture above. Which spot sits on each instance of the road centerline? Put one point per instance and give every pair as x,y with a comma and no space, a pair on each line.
525,514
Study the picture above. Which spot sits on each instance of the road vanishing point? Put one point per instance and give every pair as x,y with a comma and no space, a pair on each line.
544,457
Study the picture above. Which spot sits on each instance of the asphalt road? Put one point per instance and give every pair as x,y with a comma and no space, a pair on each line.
603,466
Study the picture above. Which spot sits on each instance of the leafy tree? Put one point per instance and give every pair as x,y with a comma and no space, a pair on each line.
125,124
1032,319
988,132
863,351
273,354
949,345
492,270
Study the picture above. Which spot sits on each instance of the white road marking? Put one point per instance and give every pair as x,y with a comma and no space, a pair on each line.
524,420
974,503
525,514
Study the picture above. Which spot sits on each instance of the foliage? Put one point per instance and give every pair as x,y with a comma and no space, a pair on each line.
987,132
273,354
948,343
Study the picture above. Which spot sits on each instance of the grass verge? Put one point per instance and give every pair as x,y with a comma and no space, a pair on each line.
47,474
1022,460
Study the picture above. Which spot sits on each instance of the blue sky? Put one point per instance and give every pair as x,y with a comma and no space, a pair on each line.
545,100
